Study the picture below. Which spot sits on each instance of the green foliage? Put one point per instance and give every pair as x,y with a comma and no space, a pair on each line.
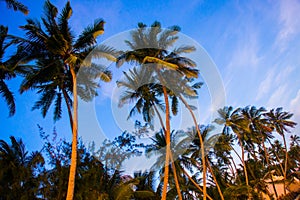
56,51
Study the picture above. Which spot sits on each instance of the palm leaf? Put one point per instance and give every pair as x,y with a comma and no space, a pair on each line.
8,97
17,6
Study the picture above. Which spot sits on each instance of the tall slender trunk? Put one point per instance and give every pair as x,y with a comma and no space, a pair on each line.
285,163
201,146
171,156
215,179
175,176
168,139
268,163
72,174
244,163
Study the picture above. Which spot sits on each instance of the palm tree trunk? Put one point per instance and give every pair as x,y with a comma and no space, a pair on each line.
168,139
175,177
285,163
215,179
244,163
245,167
171,157
72,174
201,144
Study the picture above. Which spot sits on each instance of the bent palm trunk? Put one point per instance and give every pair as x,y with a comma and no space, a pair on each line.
215,179
201,144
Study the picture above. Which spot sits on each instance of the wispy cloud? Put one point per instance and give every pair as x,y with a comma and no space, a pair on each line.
246,50
294,108
289,19
266,85
278,97
295,103
274,85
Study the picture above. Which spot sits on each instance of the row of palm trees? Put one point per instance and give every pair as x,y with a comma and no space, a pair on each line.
162,79
43,174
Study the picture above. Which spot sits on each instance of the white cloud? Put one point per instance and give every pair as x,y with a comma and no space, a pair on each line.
279,97
295,108
274,81
283,75
295,105
246,52
289,19
265,85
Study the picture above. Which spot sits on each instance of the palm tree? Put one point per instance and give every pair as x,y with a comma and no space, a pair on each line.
60,56
16,6
232,120
260,132
295,140
141,87
159,143
149,49
281,123
195,151
182,184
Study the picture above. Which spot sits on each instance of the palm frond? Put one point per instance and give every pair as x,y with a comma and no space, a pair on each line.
89,35
8,97
17,6
57,107
45,101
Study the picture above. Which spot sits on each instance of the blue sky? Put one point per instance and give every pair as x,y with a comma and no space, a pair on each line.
254,44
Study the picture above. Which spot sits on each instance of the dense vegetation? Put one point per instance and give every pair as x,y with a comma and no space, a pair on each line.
250,159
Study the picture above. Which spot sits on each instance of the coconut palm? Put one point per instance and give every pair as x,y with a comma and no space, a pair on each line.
232,120
159,143
16,6
149,48
295,140
195,151
59,55
141,87
188,186
260,132
281,122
